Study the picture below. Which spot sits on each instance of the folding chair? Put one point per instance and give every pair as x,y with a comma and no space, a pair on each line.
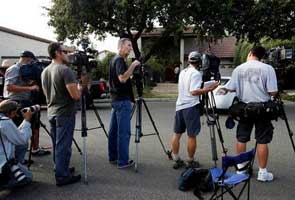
226,181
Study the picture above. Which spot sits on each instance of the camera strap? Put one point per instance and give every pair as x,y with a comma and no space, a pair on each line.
3,143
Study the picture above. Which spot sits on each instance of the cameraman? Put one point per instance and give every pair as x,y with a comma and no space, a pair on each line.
122,96
254,81
188,109
61,91
16,89
12,136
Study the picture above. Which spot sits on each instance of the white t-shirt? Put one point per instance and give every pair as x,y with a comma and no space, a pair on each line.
190,79
253,80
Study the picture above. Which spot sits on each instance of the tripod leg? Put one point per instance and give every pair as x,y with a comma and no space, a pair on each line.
138,130
288,127
99,120
168,153
217,124
213,144
133,110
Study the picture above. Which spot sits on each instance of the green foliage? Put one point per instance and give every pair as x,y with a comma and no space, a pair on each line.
254,20
102,69
241,52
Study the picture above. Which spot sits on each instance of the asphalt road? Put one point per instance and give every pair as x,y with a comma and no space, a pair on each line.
155,179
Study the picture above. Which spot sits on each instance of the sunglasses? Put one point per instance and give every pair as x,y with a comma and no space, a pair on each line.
64,51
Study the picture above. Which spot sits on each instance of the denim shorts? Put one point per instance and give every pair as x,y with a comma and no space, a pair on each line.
187,119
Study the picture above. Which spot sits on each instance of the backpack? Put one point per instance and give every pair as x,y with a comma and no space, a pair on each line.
196,178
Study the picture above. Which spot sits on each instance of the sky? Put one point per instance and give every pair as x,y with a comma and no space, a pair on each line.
29,17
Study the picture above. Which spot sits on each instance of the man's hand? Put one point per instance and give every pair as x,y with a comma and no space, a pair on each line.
34,88
221,91
85,81
134,64
27,115
214,85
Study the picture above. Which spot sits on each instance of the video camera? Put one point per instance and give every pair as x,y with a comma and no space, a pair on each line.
280,58
33,71
210,67
83,58
278,54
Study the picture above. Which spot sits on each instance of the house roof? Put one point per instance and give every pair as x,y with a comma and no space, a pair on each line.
25,35
222,48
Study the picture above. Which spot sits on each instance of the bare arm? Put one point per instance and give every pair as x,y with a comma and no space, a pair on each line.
205,90
18,88
124,77
73,90
223,91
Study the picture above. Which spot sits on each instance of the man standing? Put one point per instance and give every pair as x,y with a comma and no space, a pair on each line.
187,115
122,96
19,90
254,81
61,90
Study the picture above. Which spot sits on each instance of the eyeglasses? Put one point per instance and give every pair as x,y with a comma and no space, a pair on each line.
64,51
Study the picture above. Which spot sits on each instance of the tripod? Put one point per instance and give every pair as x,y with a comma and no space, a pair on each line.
212,122
138,125
84,128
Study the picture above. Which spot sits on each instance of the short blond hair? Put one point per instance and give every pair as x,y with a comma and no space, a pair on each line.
122,41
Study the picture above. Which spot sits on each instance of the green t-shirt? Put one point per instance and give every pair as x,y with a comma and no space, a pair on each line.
54,78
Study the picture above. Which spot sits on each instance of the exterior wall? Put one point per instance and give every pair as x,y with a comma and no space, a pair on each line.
190,44
12,45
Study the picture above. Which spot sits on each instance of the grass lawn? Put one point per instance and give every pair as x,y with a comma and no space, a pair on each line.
288,97
148,93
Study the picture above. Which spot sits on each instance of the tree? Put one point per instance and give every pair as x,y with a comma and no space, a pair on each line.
73,19
255,19
210,19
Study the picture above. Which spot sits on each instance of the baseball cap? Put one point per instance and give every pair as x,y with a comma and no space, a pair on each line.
27,54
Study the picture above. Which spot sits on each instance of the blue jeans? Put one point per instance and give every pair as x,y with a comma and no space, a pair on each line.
62,129
120,132
20,150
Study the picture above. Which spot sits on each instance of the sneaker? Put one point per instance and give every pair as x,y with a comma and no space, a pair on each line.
240,166
178,164
67,180
192,164
264,176
40,152
129,164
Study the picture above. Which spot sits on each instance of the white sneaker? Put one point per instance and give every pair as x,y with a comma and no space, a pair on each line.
264,176
240,166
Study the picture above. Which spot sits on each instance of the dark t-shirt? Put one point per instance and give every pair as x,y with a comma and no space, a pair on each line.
54,80
119,91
